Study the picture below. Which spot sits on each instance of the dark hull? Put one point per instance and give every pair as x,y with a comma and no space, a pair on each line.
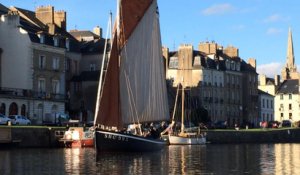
122,142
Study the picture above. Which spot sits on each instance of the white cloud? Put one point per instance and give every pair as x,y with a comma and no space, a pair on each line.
273,31
218,9
275,18
270,70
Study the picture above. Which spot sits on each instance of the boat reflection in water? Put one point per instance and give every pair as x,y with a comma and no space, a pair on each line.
133,163
175,159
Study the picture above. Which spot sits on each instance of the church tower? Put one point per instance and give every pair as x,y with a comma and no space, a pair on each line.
290,69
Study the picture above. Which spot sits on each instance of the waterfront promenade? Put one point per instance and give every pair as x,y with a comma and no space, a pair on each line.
43,136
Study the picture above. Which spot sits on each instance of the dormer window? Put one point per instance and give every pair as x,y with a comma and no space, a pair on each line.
42,38
232,65
68,44
227,64
56,41
238,66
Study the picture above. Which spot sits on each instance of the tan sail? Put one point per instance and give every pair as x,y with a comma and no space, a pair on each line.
134,88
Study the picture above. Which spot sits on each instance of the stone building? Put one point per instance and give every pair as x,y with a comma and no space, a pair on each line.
225,84
33,58
85,83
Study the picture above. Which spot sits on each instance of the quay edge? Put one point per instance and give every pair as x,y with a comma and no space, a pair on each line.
286,135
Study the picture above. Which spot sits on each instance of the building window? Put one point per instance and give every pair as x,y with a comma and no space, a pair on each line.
42,38
173,62
271,104
290,96
267,103
290,116
68,64
55,86
290,106
56,41
92,67
271,115
281,116
42,62
263,103
41,85
55,63
281,107
281,96
68,44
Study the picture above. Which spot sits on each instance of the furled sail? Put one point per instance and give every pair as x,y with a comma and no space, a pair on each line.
134,88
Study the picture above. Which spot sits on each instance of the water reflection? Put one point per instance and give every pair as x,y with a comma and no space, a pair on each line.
287,159
132,163
202,159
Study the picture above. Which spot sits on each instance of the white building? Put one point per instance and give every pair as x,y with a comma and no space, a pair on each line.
266,106
287,101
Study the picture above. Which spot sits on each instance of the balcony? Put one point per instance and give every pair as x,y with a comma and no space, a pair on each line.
25,93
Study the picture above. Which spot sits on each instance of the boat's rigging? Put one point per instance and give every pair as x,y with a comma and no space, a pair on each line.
99,93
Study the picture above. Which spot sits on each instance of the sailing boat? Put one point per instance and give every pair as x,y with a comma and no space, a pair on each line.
134,87
186,136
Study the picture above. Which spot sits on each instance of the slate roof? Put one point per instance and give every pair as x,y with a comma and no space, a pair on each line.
83,33
94,46
3,9
34,26
219,62
260,92
289,87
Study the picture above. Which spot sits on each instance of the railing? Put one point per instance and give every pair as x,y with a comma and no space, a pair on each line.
26,93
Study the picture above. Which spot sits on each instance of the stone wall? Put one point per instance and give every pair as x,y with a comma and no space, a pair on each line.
272,136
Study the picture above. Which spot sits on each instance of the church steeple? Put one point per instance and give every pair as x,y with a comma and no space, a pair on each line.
290,69
290,62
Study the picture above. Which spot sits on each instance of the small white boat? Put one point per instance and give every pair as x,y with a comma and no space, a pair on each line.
187,139
186,136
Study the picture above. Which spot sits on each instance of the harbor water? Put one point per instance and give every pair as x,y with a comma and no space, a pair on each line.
200,159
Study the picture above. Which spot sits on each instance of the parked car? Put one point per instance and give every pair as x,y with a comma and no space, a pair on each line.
220,124
286,123
4,119
19,120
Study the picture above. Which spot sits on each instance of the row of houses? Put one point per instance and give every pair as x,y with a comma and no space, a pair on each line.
225,84
230,89
44,69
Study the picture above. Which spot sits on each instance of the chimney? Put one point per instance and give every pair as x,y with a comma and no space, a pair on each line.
165,52
252,62
60,19
98,31
231,51
208,48
277,80
45,14
185,56
262,80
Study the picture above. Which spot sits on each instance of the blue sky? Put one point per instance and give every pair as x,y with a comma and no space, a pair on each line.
259,28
